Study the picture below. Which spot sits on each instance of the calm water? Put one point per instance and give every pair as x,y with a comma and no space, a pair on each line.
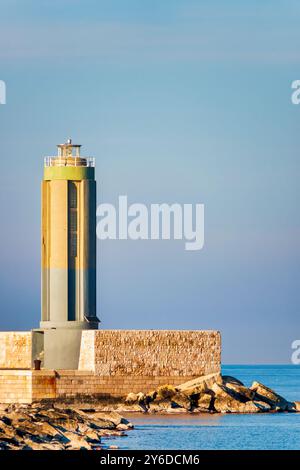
229,431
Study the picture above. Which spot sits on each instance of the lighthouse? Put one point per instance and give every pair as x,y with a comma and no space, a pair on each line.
68,251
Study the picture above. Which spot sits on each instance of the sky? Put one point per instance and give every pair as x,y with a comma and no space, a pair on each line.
179,101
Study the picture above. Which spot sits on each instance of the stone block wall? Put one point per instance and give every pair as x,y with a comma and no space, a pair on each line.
15,350
87,351
112,363
15,386
154,353
75,384
27,386
43,385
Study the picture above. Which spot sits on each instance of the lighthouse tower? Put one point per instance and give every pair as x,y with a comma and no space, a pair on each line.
69,240
68,253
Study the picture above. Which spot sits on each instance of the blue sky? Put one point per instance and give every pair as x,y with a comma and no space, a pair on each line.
179,101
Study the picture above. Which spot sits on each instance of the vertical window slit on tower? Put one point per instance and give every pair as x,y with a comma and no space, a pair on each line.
72,248
72,220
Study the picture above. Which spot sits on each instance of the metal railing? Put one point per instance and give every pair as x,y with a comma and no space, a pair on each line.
70,161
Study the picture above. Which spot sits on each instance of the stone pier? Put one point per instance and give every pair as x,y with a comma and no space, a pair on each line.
111,363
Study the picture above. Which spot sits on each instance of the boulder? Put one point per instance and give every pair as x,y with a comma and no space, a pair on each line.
240,391
75,441
222,391
47,431
31,443
160,405
166,392
229,400
230,405
8,435
205,403
131,398
228,379
122,427
149,397
65,425
126,408
92,436
42,428
262,406
200,384
267,395
99,420
180,400
140,397
296,406
109,417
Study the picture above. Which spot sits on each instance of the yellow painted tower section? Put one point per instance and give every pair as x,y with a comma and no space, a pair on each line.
69,240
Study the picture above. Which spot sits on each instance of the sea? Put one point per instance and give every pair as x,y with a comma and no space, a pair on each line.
278,431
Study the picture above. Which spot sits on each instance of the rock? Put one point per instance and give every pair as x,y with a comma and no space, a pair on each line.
128,408
47,430
160,405
174,410
241,390
108,417
181,400
99,420
296,406
75,441
165,392
32,445
106,433
53,446
262,406
115,418
92,437
140,397
200,384
127,423
98,423
291,408
230,405
122,427
131,398
228,379
235,398
65,425
8,434
267,395
224,392
43,427
7,446
141,402
150,397
205,403
6,420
